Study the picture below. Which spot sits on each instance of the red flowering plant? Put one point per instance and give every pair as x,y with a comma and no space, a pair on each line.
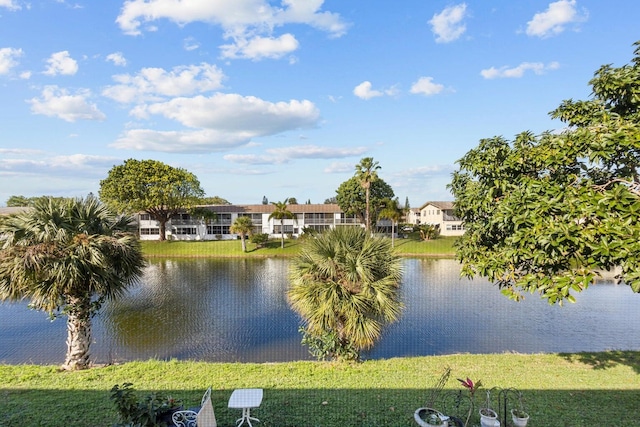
471,386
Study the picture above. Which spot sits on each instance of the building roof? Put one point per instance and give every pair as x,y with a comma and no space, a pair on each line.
440,205
267,209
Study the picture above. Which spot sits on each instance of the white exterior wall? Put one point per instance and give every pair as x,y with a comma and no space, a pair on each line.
431,214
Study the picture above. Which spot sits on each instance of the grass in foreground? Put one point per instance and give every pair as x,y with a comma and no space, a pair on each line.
573,390
411,246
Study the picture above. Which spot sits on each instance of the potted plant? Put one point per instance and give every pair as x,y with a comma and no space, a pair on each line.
488,417
519,417
428,417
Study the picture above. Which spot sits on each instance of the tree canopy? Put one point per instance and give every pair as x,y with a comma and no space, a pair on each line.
345,285
547,213
66,257
150,186
351,197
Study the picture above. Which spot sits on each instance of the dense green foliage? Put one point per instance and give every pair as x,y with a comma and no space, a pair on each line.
66,257
545,213
152,410
351,198
150,186
344,284
20,201
576,390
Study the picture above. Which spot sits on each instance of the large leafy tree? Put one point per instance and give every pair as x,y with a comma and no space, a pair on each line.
344,284
67,257
351,197
546,213
281,212
150,186
242,226
367,174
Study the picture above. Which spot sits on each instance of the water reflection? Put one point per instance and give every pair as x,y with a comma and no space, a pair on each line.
236,310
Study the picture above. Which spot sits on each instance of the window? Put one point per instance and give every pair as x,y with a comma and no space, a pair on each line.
185,230
149,231
218,229
287,229
455,227
145,217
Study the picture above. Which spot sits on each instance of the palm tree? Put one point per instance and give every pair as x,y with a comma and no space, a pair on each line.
281,213
392,212
366,174
345,283
242,226
67,257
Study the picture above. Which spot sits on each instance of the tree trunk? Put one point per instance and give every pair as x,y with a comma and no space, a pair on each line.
78,334
244,243
281,234
367,211
393,233
163,229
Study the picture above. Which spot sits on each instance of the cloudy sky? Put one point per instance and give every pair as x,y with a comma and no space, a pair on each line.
282,98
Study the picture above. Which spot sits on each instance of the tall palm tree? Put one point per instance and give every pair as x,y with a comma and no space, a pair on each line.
366,172
67,257
242,226
345,282
281,213
393,213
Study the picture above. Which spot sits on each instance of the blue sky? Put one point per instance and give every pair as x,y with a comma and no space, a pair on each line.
282,98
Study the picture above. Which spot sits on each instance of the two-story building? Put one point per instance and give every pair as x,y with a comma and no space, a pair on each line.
185,227
439,214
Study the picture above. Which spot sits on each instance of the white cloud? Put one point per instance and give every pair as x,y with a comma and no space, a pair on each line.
117,58
248,23
200,141
222,121
286,154
8,59
57,102
74,165
448,25
426,86
10,4
315,152
517,72
61,63
261,47
156,83
190,44
339,167
253,159
364,91
553,21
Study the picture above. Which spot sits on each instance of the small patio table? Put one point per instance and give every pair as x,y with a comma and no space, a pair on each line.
245,399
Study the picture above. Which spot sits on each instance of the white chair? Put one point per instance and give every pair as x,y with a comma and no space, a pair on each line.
205,417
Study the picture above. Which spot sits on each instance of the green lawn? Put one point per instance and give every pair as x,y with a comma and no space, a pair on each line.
571,390
411,246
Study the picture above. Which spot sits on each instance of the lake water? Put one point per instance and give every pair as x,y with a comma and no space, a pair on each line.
236,310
